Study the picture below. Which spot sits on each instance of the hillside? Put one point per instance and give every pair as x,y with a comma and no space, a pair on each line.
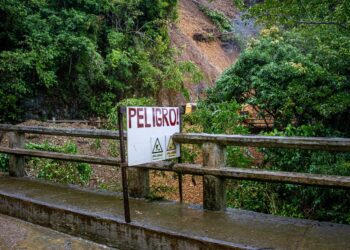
211,57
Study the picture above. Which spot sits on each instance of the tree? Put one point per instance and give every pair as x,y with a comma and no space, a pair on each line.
79,58
283,76
297,13
298,72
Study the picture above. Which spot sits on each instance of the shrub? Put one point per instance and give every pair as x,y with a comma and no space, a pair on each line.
218,18
221,118
59,171
311,202
277,77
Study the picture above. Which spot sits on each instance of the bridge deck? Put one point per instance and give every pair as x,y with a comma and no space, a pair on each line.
58,207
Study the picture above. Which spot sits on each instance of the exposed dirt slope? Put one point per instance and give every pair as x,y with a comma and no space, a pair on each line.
209,56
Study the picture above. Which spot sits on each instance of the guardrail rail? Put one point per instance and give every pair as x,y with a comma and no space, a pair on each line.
213,169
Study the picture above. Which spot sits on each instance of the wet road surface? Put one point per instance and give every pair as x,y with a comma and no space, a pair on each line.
18,234
257,230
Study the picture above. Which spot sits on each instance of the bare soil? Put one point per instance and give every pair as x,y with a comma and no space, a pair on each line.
210,57
166,184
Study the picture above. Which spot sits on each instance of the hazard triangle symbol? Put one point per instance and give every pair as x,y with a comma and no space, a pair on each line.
157,148
171,145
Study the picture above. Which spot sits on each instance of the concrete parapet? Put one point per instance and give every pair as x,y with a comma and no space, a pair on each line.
98,216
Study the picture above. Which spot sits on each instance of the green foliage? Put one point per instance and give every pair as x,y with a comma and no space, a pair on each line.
293,200
4,163
189,153
218,118
277,77
296,14
256,196
59,171
297,72
315,203
221,118
85,55
222,22
295,83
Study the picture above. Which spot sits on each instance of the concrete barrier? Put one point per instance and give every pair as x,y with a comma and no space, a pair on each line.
98,216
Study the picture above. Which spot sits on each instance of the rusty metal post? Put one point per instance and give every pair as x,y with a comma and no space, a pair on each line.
214,193
180,185
181,112
123,166
16,162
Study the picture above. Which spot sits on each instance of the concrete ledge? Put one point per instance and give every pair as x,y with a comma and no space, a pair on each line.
98,217
104,230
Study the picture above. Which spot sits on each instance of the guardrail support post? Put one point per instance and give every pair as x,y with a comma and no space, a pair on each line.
138,180
16,163
214,193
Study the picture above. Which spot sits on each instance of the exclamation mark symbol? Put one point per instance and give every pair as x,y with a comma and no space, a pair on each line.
177,117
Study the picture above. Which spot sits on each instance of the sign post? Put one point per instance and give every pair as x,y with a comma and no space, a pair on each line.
149,133
123,166
180,161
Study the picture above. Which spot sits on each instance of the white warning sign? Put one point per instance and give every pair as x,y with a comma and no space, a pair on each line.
149,134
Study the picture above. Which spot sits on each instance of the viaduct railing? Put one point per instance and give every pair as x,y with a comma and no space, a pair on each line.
213,169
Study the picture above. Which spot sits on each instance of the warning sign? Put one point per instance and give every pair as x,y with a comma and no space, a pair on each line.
149,134
171,151
157,151
171,144
157,148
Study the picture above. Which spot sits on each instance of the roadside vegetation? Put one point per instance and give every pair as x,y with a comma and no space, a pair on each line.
79,58
296,72
53,170
117,53
59,171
